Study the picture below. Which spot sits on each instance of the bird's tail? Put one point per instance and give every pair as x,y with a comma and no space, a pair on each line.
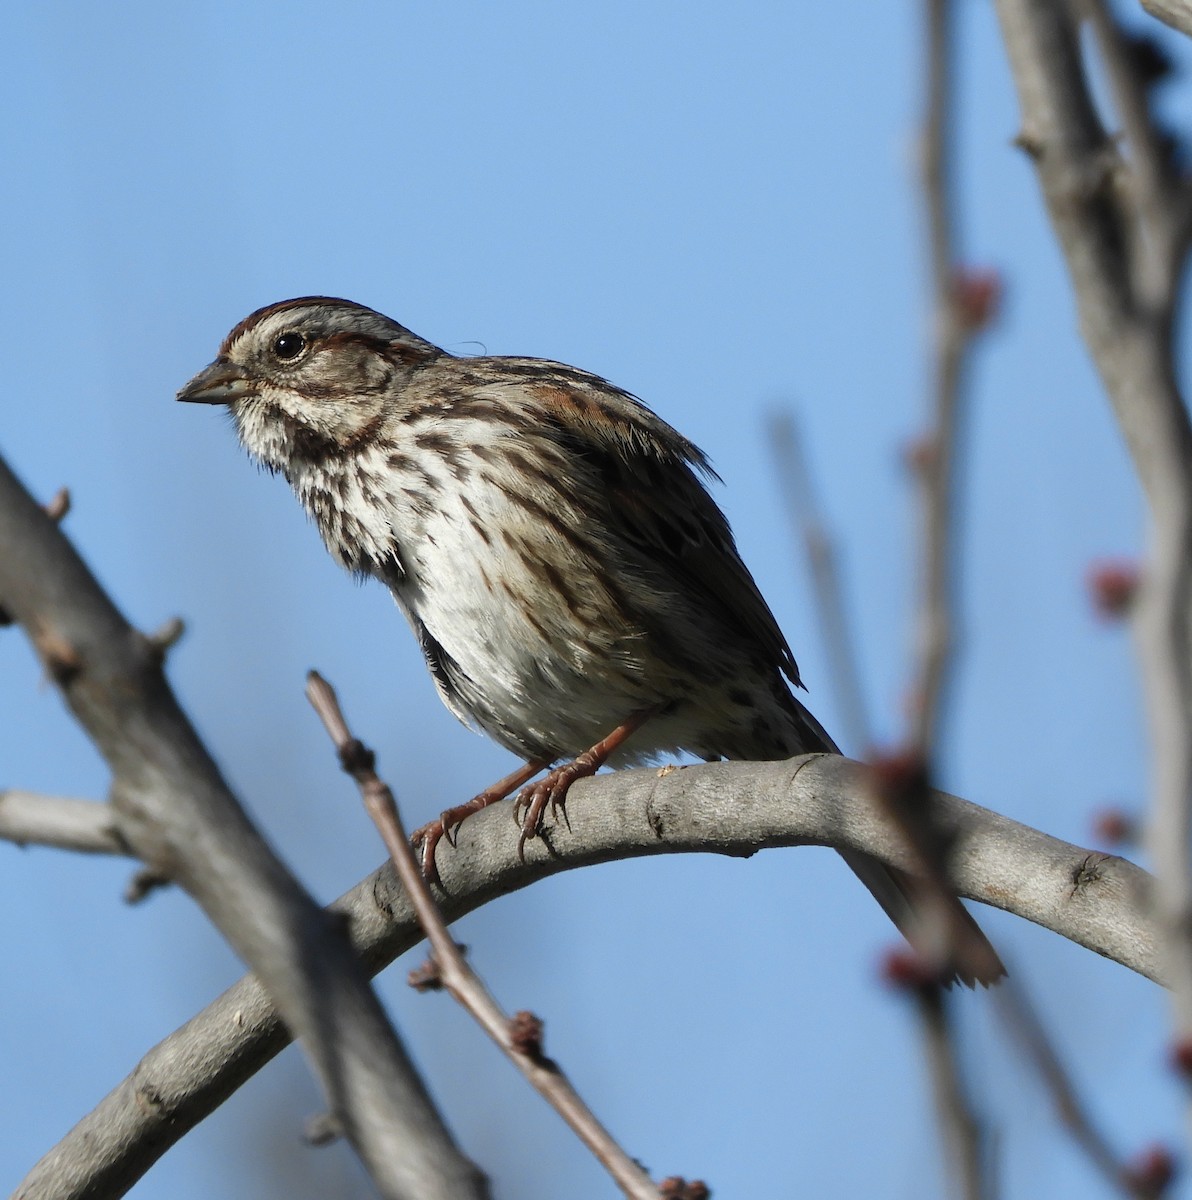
901,895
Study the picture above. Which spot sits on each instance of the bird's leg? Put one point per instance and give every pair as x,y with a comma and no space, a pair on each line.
429,835
552,788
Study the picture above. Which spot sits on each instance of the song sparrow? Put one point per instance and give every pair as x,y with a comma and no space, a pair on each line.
574,588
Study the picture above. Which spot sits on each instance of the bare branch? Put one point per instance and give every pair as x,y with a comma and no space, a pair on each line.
1097,900
1176,13
1157,192
454,973
1102,215
962,303
794,477
173,808
963,1132
1025,1027
87,826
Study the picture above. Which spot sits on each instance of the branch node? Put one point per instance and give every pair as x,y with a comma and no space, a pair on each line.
525,1035
59,505
149,1099
675,1187
427,977
1117,827
1113,587
62,660
1029,143
975,295
921,455
322,1129
905,969
356,758
1151,1173
1181,1059
1088,872
164,638
143,883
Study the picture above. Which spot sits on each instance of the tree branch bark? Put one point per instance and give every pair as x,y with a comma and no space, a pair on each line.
1124,237
172,807
1097,900
87,826
1176,13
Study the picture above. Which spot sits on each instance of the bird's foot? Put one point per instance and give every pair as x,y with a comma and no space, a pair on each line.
552,788
427,838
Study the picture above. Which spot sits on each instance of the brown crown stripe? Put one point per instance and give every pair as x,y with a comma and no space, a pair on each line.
254,319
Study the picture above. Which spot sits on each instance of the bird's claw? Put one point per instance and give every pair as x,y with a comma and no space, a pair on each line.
424,841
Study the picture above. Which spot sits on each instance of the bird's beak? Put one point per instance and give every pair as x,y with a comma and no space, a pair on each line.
222,382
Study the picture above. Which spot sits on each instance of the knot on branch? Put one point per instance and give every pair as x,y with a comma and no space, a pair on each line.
356,758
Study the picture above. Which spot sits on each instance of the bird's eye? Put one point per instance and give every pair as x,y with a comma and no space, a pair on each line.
288,346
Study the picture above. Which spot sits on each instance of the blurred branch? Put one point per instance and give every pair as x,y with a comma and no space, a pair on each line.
947,939
1124,234
451,968
172,807
1097,900
87,826
1021,1019
794,479
1159,226
964,1134
1176,13
962,305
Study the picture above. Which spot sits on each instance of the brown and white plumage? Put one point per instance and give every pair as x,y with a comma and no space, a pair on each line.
548,537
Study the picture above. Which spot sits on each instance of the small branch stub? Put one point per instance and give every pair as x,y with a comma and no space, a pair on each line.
143,883
427,977
59,506
322,1129
163,639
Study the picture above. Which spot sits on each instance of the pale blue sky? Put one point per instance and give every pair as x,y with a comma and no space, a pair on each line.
714,207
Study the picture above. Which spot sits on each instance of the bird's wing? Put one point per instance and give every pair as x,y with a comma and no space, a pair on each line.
650,475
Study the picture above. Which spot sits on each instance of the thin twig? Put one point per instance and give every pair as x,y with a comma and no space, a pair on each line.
956,317
1020,1018
947,937
794,478
454,972
963,1135
962,303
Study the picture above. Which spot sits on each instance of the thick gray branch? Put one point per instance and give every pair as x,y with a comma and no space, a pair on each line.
1096,900
174,810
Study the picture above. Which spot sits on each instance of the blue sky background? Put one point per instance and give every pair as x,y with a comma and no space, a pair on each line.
713,206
